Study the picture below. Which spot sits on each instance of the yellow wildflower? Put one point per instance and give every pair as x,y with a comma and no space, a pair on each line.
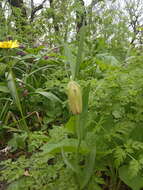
9,44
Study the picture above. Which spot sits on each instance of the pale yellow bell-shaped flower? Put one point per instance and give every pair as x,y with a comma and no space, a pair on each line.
74,97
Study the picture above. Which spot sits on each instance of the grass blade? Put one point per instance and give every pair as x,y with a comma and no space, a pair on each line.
14,94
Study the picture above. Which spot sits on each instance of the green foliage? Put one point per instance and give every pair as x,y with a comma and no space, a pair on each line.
120,156
14,94
38,170
136,183
50,148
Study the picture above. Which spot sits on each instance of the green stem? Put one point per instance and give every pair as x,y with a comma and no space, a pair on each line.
118,185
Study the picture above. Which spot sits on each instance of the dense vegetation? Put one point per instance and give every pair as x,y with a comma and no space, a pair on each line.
50,140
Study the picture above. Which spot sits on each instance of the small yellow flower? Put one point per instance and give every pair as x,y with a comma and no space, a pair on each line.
9,44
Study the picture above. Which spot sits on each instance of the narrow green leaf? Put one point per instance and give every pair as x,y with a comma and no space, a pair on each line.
35,71
70,125
14,94
48,95
80,49
69,60
68,145
12,89
4,88
85,97
74,167
88,168
82,118
4,110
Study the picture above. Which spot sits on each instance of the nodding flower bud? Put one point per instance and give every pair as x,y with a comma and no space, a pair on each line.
74,97
22,53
